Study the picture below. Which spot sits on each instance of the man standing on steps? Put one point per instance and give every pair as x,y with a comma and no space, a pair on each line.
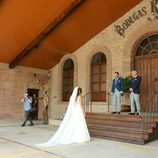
117,90
135,93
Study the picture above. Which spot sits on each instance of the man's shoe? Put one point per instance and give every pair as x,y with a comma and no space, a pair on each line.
131,113
31,124
119,113
138,113
113,112
22,125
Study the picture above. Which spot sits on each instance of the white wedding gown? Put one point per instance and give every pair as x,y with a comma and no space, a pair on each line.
73,128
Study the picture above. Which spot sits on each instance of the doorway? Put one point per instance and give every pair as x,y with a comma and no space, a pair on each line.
146,63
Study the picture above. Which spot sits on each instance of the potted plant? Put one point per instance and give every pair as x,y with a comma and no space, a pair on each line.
126,85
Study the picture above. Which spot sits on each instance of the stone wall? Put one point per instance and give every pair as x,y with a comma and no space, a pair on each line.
118,50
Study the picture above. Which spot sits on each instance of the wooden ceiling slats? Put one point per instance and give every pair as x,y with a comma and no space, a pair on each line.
36,42
28,39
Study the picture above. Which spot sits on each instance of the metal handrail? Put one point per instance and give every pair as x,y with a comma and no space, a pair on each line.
153,96
148,118
90,102
109,94
88,94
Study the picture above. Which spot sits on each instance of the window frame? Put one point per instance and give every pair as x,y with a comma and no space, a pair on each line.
69,71
143,44
101,93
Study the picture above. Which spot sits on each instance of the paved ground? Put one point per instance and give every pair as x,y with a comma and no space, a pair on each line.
18,142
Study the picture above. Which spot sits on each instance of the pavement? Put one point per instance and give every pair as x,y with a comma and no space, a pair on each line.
19,142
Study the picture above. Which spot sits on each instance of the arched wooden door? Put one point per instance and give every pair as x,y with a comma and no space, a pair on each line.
146,63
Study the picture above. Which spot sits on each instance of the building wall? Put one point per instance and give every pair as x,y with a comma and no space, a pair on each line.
117,49
13,84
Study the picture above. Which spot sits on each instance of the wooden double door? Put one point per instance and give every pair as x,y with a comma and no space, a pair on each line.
146,63
147,67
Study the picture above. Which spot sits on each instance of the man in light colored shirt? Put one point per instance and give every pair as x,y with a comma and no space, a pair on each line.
27,108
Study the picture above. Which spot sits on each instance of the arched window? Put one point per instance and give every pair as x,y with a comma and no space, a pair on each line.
68,79
148,46
98,77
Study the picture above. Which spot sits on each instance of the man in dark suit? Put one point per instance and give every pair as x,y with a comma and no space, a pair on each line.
135,93
117,90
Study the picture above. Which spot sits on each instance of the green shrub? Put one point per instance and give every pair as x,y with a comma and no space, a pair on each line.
126,83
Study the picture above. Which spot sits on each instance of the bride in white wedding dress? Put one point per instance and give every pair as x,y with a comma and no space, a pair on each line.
73,128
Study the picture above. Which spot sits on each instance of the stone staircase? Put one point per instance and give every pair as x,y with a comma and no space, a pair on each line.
123,127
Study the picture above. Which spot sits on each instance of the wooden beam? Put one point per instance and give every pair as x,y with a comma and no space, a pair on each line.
35,43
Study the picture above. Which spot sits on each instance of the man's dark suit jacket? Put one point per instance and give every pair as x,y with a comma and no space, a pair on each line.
119,85
135,84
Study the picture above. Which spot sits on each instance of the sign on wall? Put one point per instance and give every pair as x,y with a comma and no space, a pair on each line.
137,15
154,10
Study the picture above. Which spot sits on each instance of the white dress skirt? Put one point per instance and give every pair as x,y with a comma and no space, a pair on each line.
73,128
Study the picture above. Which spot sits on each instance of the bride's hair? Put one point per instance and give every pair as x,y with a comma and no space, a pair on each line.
79,92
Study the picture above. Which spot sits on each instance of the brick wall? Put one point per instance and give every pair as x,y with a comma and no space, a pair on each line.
13,84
